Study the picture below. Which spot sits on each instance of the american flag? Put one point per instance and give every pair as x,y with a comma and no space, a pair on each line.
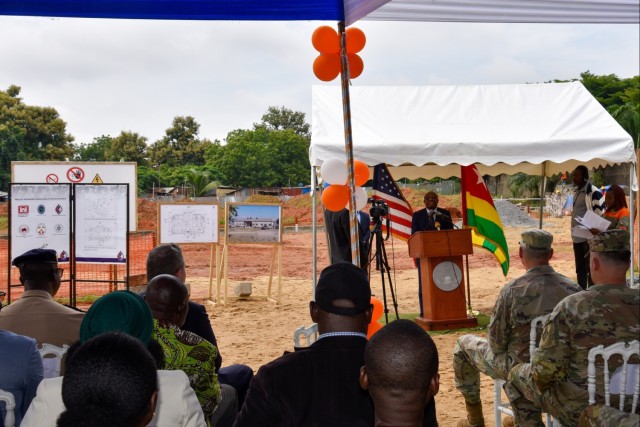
400,212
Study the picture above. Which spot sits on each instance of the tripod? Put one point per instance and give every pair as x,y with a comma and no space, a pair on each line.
382,264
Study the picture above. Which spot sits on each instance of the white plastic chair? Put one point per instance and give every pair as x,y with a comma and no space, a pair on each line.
51,365
505,407
616,383
310,334
10,406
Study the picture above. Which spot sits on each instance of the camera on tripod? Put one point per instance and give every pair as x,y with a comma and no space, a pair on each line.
378,208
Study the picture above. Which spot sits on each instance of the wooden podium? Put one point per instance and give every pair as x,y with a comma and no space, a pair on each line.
442,277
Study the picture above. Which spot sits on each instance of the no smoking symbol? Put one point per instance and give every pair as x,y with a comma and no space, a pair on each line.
75,174
52,178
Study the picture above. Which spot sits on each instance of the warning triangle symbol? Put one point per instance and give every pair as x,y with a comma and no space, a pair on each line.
97,180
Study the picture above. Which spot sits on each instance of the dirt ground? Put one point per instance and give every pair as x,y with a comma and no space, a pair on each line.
256,331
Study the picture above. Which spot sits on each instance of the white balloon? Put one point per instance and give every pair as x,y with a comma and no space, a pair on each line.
361,198
334,171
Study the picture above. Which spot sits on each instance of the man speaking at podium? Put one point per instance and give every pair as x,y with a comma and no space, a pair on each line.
431,218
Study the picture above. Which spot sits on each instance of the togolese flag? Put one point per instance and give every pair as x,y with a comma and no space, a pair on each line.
480,214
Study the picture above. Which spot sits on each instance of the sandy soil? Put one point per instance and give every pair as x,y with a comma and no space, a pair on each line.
256,331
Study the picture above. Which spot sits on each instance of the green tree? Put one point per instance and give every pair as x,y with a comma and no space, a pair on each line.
180,145
523,185
281,118
29,133
147,179
129,146
94,151
263,158
628,116
200,182
609,90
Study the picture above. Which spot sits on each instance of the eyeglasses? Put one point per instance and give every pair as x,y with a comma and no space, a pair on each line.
59,271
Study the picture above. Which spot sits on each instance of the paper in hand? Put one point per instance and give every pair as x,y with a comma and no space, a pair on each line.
588,222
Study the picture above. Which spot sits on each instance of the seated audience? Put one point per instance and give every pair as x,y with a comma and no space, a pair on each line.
556,379
20,371
401,373
125,312
110,380
168,299
35,314
520,301
318,385
168,259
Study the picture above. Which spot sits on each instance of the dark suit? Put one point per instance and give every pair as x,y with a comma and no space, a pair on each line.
316,386
422,221
237,376
339,232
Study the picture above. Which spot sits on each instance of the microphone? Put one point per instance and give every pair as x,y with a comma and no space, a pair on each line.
446,217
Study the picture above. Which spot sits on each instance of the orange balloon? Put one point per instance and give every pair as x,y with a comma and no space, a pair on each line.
355,40
378,309
360,172
326,67
355,65
373,328
325,39
335,197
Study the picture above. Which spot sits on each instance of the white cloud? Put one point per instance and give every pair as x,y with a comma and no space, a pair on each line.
104,76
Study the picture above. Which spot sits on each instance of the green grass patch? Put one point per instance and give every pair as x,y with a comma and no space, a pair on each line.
483,321
84,299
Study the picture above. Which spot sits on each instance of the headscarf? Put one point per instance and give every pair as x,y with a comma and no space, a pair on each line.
118,311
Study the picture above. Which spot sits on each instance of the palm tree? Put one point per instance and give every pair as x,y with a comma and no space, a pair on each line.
200,182
628,116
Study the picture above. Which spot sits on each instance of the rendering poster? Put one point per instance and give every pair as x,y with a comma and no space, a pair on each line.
188,223
101,223
41,218
259,223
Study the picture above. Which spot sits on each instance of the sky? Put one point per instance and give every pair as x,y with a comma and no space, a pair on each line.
106,76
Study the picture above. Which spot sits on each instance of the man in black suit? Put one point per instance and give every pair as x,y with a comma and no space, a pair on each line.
431,218
339,232
319,385
168,259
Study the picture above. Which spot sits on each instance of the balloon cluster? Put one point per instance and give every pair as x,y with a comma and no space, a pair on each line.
336,196
327,65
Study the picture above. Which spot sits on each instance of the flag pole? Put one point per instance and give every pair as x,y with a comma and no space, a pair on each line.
348,143
463,190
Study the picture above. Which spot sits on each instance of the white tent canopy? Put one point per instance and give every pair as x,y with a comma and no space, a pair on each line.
430,131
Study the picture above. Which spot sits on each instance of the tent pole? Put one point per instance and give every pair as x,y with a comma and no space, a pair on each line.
314,227
632,214
348,143
543,186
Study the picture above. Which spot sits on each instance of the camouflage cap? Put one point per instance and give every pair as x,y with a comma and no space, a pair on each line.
610,241
535,239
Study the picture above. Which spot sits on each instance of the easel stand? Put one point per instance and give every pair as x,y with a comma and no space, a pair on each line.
442,278
276,256
214,261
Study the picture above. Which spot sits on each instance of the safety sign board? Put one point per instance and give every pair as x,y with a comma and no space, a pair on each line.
52,178
97,180
75,174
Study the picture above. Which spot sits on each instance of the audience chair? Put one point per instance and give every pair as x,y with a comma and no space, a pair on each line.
618,382
10,406
51,365
310,334
505,407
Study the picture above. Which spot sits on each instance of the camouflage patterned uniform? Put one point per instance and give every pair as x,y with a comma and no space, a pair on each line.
600,415
520,301
556,379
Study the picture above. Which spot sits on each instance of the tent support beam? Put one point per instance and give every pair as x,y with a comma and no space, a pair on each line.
632,204
348,144
543,185
314,228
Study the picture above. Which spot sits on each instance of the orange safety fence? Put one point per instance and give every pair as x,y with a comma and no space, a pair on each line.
140,243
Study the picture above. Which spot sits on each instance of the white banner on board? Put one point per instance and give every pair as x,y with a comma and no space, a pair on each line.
41,218
101,223
82,173
188,223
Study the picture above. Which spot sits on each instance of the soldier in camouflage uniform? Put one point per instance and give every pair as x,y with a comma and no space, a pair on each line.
600,415
534,294
609,312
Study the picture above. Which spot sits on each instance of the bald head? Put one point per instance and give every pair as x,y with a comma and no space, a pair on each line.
168,299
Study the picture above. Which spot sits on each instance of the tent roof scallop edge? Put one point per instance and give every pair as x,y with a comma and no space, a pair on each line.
429,131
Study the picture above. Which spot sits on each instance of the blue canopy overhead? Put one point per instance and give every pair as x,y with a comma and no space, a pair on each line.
349,11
